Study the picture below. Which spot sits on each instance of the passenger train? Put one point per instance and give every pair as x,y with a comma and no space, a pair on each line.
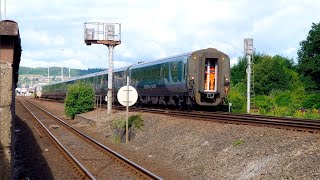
199,78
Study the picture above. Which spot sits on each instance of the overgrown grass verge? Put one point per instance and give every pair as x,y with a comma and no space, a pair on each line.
134,122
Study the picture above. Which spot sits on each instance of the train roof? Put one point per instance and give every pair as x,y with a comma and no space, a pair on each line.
144,64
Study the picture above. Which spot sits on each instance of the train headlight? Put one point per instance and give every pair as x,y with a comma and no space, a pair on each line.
227,82
226,90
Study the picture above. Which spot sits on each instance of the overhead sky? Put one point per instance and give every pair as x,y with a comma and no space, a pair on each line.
52,31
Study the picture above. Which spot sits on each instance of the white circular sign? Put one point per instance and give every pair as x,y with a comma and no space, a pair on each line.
39,94
39,88
122,95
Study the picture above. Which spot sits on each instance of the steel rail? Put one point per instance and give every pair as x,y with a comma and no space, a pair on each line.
143,171
80,166
291,123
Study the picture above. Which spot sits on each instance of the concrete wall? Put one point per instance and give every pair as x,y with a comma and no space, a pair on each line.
10,52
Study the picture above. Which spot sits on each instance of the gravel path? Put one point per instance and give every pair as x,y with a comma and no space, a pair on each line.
175,148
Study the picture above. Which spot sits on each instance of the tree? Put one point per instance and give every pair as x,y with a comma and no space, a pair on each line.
274,73
309,57
79,99
238,98
238,71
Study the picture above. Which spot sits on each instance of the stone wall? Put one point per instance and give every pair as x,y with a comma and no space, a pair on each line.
10,53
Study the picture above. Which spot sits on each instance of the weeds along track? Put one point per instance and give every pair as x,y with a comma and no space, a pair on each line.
89,158
312,126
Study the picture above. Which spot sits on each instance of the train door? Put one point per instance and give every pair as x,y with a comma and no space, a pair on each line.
210,75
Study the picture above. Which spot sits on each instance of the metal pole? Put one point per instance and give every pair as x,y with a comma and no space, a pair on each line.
69,74
110,70
61,73
127,109
48,75
248,81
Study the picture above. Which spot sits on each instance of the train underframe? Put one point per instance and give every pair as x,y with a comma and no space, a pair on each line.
178,101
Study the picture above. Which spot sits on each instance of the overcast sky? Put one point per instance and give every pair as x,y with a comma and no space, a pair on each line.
52,31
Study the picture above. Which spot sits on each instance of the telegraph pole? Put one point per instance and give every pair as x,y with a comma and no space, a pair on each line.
61,73
48,75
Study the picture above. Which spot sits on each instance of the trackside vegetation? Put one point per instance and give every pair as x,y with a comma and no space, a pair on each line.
79,99
282,87
134,122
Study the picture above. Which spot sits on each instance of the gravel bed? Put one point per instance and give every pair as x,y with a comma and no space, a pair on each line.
176,148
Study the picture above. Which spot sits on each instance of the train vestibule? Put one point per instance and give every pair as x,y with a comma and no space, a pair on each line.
210,74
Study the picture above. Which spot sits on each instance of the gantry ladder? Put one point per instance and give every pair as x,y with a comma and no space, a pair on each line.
252,94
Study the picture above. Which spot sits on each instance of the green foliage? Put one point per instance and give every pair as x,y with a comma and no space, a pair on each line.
238,142
135,121
281,87
309,114
309,56
119,123
237,97
281,111
264,103
79,99
117,138
312,101
238,71
273,73
284,99
308,83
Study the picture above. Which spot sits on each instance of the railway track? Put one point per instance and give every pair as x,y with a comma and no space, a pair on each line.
247,119
89,158
297,124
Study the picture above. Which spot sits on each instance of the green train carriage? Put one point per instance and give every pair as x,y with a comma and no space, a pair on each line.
198,78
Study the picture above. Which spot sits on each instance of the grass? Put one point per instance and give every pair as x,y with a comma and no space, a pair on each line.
117,139
238,142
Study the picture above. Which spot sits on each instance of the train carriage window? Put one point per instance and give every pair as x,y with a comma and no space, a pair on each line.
210,74
180,70
185,71
99,81
166,70
174,71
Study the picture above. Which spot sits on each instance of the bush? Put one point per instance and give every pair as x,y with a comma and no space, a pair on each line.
263,103
134,121
237,97
283,98
79,99
312,101
309,114
281,111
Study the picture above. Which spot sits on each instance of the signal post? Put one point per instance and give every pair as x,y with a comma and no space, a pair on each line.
108,34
